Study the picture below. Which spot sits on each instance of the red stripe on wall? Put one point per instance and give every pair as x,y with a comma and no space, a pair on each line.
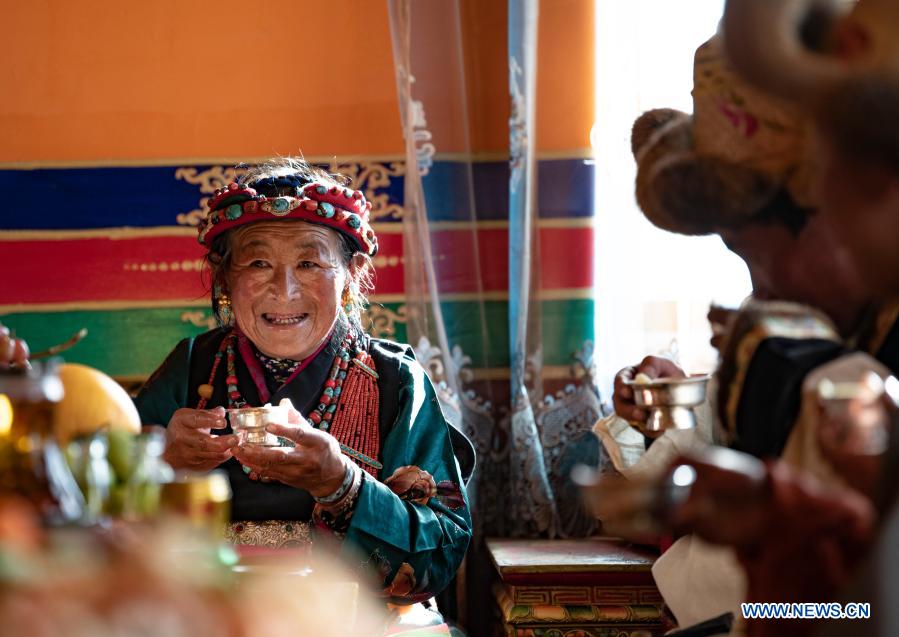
132,269
565,259
169,268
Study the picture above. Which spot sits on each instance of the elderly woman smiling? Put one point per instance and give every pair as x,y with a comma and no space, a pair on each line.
367,455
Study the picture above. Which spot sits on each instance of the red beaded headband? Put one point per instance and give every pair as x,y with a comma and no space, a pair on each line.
342,209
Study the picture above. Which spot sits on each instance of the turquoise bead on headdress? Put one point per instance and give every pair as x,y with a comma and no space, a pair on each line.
325,210
233,211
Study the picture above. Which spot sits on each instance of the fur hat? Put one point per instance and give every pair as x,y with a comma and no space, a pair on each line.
722,165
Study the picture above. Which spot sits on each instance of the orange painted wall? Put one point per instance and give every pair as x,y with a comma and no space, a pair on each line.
104,81
565,73
98,80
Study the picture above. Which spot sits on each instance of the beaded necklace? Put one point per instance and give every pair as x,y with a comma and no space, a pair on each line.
347,408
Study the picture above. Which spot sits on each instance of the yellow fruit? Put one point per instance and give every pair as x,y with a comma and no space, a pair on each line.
92,401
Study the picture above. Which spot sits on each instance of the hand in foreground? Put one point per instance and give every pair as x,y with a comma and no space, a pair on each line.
729,501
753,506
13,351
314,464
797,539
623,397
190,444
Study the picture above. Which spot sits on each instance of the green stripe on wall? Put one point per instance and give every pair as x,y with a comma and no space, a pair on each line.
133,342
119,342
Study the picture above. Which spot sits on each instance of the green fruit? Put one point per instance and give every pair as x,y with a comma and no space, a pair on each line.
115,505
121,453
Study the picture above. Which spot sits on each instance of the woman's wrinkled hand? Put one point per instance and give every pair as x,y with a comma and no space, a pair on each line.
314,464
623,397
190,444
13,351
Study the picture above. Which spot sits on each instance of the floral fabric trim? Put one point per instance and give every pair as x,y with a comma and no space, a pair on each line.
270,533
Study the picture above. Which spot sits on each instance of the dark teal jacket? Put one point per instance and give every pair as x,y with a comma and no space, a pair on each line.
421,544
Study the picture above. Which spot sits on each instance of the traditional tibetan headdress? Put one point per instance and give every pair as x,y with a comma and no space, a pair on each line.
723,164
314,201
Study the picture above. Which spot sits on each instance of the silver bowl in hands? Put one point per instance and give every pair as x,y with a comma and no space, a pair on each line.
669,402
249,424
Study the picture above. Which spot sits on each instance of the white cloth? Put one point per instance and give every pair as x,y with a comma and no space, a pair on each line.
699,581
626,446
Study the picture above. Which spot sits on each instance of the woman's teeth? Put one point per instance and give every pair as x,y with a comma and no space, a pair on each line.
278,319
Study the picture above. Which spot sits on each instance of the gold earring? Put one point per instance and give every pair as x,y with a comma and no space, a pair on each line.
347,301
223,306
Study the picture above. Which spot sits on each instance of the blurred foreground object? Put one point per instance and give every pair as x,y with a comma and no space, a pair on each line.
59,348
203,500
797,539
165,580
13,351
856,416
31,462
638,508
92,401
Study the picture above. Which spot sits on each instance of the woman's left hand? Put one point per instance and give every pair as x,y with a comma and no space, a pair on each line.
315,464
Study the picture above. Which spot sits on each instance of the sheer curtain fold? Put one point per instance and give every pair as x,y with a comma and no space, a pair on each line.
480,334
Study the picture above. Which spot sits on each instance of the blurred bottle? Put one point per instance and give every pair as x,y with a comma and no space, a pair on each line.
149,473
87,460
202,500
31,462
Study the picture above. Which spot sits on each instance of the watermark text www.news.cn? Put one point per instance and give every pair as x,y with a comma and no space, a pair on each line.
806,610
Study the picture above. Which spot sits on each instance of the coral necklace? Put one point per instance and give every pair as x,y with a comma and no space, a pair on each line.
347,408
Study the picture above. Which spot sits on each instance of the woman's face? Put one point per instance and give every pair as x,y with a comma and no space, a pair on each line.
286,282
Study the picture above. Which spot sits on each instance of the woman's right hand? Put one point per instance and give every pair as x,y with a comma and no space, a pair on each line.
189,443
623,396
13,351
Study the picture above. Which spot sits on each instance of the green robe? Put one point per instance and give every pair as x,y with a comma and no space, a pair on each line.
415,548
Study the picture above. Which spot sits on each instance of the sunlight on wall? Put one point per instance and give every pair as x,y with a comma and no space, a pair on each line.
653,287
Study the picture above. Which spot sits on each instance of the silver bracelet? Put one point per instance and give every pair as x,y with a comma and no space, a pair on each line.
348,476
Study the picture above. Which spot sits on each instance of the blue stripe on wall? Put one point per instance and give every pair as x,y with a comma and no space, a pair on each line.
564,189
67,198
108,197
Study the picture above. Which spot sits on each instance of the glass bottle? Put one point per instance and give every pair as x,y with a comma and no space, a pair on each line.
31,463
142,491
